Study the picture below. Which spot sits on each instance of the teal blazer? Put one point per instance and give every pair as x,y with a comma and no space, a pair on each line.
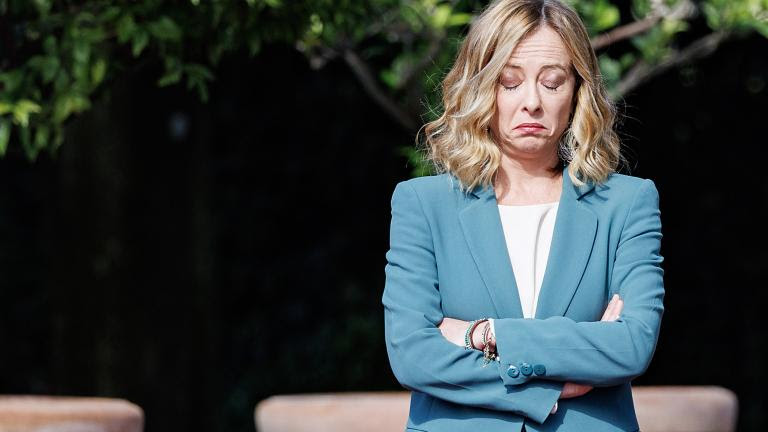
448,258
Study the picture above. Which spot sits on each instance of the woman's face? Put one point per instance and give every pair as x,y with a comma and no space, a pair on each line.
534,96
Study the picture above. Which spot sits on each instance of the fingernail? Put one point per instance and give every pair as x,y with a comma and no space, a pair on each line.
615,296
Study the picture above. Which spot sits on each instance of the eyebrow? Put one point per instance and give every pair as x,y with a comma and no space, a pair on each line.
546,66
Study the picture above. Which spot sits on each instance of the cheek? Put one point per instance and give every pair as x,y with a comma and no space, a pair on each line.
506,105
561,107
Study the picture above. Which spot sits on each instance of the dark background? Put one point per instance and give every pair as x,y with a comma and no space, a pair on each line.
197,258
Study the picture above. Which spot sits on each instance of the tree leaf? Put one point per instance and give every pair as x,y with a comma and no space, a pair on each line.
43,6
126,27
98,71
5,134
169,78
67,104
440,16
110,14
26,143
610,69
459,19
41,137
165,29
22,109
140,41
606,15
5,107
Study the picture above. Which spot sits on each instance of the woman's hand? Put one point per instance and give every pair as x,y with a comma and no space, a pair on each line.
612,311
453,330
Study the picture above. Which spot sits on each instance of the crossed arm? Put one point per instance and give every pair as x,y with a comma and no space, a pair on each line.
587,353
454,330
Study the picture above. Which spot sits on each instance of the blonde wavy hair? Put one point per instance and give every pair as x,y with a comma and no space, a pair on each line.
460,141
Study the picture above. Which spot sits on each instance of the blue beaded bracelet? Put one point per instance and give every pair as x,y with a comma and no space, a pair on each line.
468,333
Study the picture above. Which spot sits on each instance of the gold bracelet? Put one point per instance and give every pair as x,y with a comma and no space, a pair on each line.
488,355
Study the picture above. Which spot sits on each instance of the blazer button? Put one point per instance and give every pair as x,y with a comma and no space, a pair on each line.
513,372
526,369
539,369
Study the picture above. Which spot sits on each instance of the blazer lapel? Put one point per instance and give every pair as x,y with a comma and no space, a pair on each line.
482,228
572,241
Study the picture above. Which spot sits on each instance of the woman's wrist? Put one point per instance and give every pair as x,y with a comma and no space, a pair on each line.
490,336
469,334
477,336
489,348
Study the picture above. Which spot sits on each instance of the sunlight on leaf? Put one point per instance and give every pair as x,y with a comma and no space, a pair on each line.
5,134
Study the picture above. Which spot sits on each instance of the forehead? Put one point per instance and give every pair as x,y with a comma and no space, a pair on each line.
541,49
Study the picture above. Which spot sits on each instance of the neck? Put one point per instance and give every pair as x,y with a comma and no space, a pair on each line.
528,181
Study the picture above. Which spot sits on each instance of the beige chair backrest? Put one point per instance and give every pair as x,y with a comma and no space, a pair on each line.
685,409
68,414
659,409
367,412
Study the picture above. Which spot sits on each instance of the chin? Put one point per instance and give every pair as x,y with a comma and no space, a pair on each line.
529,146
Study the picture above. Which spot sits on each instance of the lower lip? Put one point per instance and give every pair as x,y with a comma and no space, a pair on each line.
529,129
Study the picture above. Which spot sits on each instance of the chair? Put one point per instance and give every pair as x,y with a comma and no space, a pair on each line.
685,408
68,414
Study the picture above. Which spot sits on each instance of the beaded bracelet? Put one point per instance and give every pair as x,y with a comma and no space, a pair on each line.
468,345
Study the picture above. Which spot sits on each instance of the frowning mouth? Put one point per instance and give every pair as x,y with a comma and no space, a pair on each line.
530,127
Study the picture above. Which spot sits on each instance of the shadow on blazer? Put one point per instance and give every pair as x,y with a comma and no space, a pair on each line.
448,258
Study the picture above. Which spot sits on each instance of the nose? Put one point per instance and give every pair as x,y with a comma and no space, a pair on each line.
531,99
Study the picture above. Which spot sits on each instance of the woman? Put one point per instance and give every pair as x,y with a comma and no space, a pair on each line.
524,284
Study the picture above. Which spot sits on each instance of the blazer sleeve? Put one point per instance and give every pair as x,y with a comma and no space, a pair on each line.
420,356
601,353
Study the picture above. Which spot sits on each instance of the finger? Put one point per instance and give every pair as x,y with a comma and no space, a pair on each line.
615,311
567,391
609,311
582,389
572,390
619,308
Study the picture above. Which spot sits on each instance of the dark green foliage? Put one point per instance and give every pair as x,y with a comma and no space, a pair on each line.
58,55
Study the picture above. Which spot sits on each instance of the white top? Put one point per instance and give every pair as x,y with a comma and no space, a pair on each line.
528,233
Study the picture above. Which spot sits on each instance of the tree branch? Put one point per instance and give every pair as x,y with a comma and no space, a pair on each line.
682,11
411,74
623,32
643,72
436,39
367,79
